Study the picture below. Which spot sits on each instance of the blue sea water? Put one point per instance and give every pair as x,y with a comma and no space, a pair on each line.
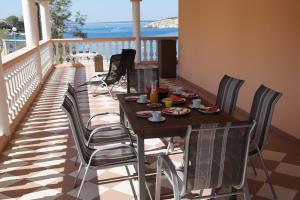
121,30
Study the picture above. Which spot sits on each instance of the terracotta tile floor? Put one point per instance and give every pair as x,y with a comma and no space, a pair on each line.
39,162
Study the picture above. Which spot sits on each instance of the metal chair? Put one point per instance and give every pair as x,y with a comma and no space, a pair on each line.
227,93
226,99
118,67
215,156
103,134
104,157
262,109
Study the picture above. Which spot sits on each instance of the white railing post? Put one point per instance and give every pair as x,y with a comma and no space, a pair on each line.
31,31
4,120
136,26
45,19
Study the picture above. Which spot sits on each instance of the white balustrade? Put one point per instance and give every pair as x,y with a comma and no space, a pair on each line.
46,57
21,80
21,75
88,48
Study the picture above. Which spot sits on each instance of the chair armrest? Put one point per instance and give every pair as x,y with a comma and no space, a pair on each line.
99,114
99,129
165,164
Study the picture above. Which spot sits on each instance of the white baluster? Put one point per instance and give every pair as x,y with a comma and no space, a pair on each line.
156,51
97,48
117,47
57,53
151,50
110,49
64,52
123,44
145,50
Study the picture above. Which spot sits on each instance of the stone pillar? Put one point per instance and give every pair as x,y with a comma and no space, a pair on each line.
136,27
30,23
32,30
45,19
4,121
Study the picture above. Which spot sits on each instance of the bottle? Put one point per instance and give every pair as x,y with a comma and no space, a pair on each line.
153,94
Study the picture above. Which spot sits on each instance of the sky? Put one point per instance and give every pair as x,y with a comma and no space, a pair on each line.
106,10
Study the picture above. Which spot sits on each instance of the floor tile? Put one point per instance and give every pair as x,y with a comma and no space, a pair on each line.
281,192
289,169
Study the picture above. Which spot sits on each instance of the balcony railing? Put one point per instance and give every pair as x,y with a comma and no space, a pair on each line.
68,49
25,70
23,76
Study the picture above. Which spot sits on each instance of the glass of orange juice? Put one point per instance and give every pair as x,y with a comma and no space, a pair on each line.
168,103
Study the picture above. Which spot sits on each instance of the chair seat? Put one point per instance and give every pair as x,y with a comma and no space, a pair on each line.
110,135
115,155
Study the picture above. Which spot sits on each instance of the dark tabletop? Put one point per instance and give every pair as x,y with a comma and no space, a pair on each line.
173,126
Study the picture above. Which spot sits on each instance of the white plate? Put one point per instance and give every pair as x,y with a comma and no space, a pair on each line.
176,111
161,119
143,114
131,98
208,112
147,101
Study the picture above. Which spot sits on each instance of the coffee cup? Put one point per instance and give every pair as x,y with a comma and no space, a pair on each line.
196,103
156,116
143,98
178,90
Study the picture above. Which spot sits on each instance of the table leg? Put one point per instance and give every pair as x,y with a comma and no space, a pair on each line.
141,168
122,116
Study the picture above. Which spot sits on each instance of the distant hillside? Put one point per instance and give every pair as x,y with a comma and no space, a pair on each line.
164,23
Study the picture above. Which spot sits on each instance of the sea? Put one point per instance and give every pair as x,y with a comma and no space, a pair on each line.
122,30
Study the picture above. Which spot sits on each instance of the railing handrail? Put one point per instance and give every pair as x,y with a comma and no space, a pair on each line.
43,43
17,56
13,40
69,40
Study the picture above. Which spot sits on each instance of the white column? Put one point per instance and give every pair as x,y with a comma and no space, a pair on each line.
4,121
32,30
30,22
136,28
45,19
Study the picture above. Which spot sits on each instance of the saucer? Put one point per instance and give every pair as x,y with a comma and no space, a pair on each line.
142,102
161,119
192,107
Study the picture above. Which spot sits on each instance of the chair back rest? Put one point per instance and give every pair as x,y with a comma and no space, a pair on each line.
126,62
227,93
71,93
216,155
77,129
262,109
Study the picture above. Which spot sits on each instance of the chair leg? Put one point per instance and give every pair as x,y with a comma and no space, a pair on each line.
266,172
158,180
78,173
76,160
170,145
252,165
246,191
82,182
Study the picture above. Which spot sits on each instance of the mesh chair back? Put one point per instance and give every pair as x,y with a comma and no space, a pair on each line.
77,129
125,62
227,93
262,111
215,155
71,93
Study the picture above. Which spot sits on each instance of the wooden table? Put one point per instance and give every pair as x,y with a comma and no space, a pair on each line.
173,126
